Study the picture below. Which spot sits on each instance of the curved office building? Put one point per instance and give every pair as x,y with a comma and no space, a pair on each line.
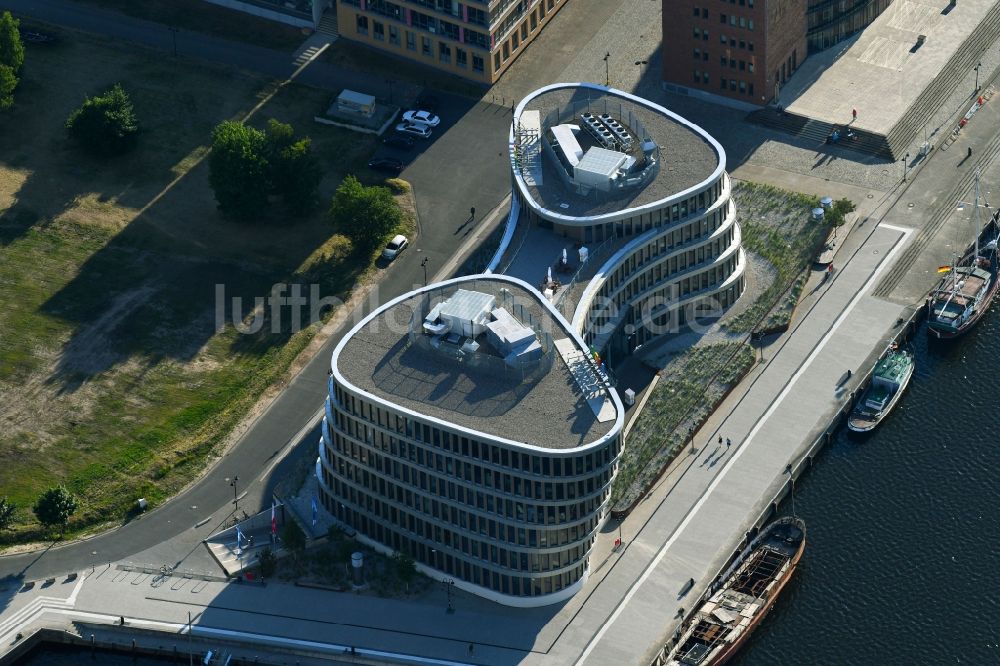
467,426
644,193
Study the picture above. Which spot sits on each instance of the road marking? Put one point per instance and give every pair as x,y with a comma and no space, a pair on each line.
886,261
904,230
76,590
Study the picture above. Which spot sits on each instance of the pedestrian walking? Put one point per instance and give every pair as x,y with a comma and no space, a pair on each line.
720,440
729,442
854,113
472,649
848,373
121,620
970,152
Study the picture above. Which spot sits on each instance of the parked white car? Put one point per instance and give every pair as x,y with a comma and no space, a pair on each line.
423,131
395,247
422,117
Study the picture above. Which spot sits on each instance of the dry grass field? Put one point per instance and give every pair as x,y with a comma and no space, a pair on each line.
113,378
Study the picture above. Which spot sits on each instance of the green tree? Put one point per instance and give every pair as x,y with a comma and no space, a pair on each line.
7,509
105,124
11,48
838,212
247,165
293,539
54,507
268,562
294,170
8,82
405,567
366,215
238,169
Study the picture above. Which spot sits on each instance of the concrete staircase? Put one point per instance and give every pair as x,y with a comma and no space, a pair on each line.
938,91
328,24
816,131
898,140
325,34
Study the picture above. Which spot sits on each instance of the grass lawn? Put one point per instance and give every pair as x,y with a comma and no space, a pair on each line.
777,226
113,377
690,388
201,16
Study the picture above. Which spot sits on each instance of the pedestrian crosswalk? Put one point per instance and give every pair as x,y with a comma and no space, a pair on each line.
310,49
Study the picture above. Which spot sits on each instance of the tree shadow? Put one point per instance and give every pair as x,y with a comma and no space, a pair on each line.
146,297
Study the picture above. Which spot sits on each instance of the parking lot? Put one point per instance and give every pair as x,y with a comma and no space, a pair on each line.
463,165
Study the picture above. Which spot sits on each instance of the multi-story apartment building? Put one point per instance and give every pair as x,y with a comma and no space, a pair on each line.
468,426
475,39
747,49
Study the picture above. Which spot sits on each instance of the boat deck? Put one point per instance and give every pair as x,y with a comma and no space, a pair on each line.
764,567
731,613
962,286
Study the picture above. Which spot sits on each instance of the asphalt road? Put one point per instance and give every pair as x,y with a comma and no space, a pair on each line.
460,167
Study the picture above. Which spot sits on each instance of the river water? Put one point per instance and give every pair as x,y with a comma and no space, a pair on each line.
902,564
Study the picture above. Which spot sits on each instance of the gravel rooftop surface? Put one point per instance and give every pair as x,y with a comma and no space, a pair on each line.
687,159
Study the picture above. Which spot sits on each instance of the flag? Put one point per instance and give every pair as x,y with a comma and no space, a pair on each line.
274,520
314,511
943,269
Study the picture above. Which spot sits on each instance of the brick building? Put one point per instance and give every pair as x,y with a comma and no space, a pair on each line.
747,49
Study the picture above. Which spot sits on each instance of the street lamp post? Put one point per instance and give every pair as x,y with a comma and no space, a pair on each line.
173,35
423,264
607,72
448,584
978,65
236,500
905,160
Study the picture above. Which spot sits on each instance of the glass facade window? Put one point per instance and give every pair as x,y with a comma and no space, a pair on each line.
487,512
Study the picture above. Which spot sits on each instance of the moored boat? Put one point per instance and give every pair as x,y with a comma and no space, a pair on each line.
747,591
890,378
965,293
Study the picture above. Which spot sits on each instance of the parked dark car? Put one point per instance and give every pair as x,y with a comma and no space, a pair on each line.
388,164
399,141
428,102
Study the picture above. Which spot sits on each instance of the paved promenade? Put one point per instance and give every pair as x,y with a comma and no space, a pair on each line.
877,73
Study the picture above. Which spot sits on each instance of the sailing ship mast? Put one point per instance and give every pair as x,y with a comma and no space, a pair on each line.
979,230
